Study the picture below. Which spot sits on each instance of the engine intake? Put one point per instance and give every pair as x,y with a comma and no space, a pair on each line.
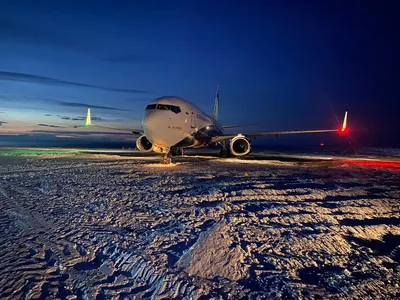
240,146
143,144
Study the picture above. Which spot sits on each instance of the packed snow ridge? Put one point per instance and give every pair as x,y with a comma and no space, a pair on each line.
102,227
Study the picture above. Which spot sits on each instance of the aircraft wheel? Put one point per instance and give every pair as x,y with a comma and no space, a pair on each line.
177,152
166,159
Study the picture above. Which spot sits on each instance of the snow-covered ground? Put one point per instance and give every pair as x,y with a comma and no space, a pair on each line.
103,226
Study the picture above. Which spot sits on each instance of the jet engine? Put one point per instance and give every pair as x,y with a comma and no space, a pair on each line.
240,146
143,144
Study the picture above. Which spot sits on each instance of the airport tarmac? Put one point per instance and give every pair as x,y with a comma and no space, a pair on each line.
117,224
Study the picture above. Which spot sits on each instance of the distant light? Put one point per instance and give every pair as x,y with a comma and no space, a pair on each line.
322,144
208,127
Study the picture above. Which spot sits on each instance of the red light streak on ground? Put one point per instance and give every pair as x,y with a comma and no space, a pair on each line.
388,164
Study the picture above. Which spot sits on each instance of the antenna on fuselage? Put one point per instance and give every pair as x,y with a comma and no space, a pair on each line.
216,104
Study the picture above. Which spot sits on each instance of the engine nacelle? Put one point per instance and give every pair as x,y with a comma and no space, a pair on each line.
240,146
143,144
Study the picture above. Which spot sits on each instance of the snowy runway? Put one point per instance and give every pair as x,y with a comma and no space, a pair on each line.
106,226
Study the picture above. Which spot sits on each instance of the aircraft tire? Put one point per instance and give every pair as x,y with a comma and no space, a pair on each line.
176,151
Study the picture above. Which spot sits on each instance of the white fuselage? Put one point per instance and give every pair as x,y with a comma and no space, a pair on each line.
174,122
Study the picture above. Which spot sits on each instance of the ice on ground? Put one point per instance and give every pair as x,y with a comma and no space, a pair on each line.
215,255
104,226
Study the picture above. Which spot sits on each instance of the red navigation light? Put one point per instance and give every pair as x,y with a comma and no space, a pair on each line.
343,131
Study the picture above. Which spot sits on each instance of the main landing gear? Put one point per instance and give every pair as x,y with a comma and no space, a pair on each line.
224,151
176,151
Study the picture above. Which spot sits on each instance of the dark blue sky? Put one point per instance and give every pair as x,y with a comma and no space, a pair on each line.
286,64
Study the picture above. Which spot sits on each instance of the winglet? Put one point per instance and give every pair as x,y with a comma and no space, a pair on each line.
216,104
88,118
344,126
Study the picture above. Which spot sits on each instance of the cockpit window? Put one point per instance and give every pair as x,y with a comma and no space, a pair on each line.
151,106
164,107
173,108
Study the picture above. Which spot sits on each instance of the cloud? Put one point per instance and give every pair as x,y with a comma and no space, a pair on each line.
49,125
64,117
48,115
23,77
14,31
79,118
82,118
100,119
83,133
2,122
76,104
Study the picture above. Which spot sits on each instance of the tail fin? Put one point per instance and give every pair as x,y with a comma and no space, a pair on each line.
216,104
88,118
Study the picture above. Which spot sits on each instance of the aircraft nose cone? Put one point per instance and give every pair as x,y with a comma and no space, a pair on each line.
157,128
151,122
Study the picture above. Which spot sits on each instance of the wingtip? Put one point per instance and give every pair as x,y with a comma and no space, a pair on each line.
344,128
88,121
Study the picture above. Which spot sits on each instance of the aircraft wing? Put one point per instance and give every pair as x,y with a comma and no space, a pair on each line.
88,123
222,138
237,126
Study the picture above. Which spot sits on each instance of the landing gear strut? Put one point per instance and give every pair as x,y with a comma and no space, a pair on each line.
224,151
166,158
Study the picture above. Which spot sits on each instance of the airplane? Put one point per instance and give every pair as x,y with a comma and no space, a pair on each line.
171,124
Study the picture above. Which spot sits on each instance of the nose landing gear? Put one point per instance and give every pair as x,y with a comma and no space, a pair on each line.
166,158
